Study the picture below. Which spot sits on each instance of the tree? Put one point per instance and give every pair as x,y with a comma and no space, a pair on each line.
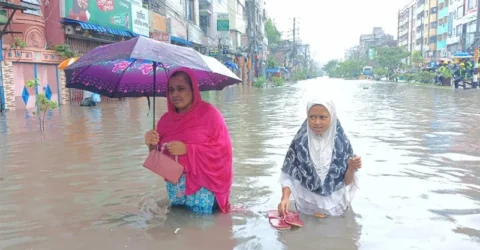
42,103
331,65
271,63
417,59
347,69
273,35
390,58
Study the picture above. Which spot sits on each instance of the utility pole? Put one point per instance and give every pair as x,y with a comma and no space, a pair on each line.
476,47
252,30
294,49
220,49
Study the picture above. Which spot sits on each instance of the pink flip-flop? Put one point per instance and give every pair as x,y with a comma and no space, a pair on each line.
294,219
276,221
279,223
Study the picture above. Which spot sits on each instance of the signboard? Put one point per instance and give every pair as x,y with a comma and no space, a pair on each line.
213,52
178,28
223,22
160,36
140,20
195,34
157,21
3,17
109,13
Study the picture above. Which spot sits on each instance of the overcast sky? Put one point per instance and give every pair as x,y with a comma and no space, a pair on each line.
331,26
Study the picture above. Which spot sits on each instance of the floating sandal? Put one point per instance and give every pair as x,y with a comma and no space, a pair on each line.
294,219
278,222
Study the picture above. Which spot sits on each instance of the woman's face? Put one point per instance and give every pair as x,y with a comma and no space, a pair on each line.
319,119
180,92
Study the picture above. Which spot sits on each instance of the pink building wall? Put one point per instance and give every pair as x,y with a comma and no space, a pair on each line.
54,31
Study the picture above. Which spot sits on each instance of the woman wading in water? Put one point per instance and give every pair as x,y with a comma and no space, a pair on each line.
320,166
196,132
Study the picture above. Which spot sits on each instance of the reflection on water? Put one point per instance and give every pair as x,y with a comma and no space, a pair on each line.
80,185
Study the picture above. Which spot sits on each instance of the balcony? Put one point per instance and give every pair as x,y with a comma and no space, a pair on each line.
418,35
443,13
453,40
441,29
441,44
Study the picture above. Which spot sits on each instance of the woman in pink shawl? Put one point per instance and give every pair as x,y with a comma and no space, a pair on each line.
196,132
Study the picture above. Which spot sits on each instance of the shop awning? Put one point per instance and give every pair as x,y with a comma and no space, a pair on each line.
174,39
98,28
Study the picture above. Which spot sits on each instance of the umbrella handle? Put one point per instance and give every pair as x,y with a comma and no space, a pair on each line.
154,64
154,90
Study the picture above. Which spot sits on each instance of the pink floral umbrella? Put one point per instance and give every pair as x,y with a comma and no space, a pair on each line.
140,67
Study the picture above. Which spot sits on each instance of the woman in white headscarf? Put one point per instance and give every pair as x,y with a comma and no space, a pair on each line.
320,166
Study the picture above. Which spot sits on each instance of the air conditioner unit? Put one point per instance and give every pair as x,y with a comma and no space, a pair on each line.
69,30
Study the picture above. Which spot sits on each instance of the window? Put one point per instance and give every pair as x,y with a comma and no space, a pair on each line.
458,31
433,39
36,4
460,12
470,4
190,10
433,25
433,10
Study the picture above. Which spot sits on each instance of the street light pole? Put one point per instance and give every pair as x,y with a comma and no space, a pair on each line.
476,47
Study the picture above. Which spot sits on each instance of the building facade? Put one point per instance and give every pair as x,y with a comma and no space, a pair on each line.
26,56
46,32
406,27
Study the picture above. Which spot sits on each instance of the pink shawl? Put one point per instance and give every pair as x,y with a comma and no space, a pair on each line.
208,162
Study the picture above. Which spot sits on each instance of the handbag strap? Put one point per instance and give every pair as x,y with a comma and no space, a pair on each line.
163,148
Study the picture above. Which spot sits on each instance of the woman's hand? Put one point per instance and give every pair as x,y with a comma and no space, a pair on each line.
354,163
151,138
284,206
176,148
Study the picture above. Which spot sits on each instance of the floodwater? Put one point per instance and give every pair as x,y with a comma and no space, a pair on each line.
80,184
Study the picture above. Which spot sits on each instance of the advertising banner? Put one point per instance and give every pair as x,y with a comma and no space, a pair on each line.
140,20
115,14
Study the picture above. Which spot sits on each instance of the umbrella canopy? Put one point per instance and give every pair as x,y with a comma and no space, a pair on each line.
126,69
462,55
140,67
67,62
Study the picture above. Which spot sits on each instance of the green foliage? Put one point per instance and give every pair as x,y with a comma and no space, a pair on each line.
259,82
277,81
390,58
346,69
300,75
271,63
417,59
273,35
19,43
64,51
380,72
42,103
427,77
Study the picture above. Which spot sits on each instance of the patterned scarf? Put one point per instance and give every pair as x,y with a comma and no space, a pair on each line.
298,163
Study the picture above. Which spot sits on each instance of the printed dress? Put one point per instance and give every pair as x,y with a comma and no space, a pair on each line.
202,201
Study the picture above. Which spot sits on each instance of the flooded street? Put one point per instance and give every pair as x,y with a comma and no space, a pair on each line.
80,185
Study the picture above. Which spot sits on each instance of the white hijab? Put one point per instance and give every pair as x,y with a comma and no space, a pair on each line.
321,146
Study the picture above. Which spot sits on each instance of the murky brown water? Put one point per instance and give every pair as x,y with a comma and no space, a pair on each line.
80,185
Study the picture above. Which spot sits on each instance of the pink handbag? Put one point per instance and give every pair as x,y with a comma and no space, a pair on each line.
163,165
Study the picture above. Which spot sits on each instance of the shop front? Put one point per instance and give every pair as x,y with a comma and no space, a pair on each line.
195,36
158,27
102,23
178,32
